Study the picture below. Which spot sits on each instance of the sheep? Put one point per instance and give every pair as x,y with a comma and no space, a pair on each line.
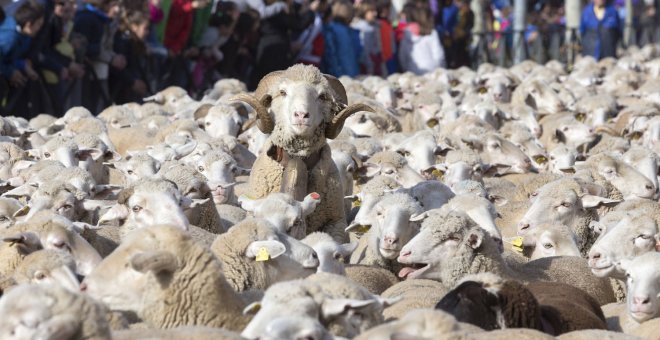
563,128
373,124
118,117
562,159
285,213
370,194
195,332
609,250
538,95
254,255
61,198
549,240
136,166
331,254
147,202
375,279
10,209
91,125
193,186
307,107
45,230
11,156
448,247
345,308
423,324
392,226
420,150
392,164
493,303
522,137
498,152
221,120
460,165
430,194
571,201
51,312
645,161
47,267
630,182
413,294
479,209
168,280
642,304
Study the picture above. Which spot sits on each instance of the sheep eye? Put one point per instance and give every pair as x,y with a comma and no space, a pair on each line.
67,206
282,93
565,128
58,244
547,245
566,205
130,172
552,158
46,154
644,237
39,276
3,218
363,119
137,208
314,255
534,194
495,146
115,121
324,96
208,123
201,168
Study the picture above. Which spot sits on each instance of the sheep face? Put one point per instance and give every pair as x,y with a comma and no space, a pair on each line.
574,133
420,152
540,96
62,199
630,182
138,166
392,227
222,120
460,171
643,281
548,206
291,327
332,256
502,155
150,205
645,162
441,239
609,250
48,268
283,212
551,241
221,170
562,159
300,107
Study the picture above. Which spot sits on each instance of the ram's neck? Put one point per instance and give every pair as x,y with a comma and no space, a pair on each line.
298,146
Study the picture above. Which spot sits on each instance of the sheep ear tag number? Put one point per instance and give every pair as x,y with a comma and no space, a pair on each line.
517,244
262,255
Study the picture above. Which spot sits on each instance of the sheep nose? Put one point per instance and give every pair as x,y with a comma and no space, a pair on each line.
83,287
522,227
649,187
595,256
641,300
405,253
389,240
591,130
301,115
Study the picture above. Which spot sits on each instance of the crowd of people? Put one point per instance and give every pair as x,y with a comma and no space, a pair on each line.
62,53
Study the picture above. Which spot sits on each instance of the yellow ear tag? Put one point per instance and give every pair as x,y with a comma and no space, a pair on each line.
437,174
482,90
517,244
357,203
580,117
540,159
432,122
262,255
22,211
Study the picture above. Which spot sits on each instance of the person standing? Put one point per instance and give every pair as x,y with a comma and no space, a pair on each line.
600,28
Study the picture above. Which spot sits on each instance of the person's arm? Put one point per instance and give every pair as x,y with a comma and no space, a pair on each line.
437,50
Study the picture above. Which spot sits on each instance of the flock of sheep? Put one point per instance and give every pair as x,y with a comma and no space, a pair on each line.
490,204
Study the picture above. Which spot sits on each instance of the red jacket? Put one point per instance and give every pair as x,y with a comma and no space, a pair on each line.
179,25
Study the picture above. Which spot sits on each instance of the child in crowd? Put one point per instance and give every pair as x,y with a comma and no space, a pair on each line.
342,43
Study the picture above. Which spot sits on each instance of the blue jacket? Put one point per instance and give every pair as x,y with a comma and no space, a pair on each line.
13,47
341,50
600,37
91,23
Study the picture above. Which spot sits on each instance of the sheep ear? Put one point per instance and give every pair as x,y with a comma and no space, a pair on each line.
419,217
188,203
111,155
154,261
441,150
118,212
386,302
22,211
63,326
272,247
252,308
93,204
369,170
591,201
559,136
20,166
474,239
335,307
25,190
498,200
247,203
107,191
93,153
348,248
185,149
26,242
310,203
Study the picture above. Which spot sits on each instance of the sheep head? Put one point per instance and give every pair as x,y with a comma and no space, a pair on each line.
301,99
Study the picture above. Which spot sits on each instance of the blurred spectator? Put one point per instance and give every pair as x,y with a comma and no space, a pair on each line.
601,29
342,43
387,36
216,35
16,34
96,22
420,50
310,43
274,47
461,35
60,67
130,83
371,59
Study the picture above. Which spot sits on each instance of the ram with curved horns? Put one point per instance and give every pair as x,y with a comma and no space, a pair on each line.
300,107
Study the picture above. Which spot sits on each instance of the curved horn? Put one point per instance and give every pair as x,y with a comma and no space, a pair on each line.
338,88
333,129
264,120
